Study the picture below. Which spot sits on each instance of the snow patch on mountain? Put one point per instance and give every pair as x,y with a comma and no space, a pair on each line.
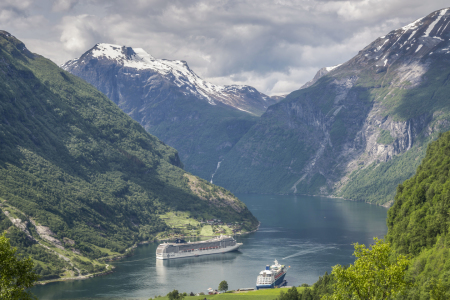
322,72
433,24
329,69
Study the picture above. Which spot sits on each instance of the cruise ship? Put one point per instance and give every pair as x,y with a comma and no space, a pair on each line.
182,248
272,276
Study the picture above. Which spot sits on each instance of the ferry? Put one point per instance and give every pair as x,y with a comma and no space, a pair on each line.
271,277
181,248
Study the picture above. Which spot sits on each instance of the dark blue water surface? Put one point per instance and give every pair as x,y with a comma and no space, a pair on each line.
309,234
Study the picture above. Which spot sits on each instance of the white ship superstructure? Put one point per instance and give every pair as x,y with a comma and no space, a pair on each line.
272,276
182,248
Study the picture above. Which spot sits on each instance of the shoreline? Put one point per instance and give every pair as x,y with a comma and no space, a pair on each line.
116,258
386,205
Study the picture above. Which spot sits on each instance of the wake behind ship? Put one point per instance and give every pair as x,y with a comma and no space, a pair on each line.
182,248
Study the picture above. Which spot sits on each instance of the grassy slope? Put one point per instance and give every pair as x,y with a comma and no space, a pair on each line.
418,222
320,288
74,162
268,294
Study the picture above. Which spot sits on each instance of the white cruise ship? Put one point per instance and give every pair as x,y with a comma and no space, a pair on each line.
272,276
182,248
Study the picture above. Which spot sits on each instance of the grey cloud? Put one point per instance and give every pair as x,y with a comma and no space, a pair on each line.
64,5
273,45
79,33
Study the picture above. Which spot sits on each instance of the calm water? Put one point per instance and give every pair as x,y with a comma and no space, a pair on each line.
310,234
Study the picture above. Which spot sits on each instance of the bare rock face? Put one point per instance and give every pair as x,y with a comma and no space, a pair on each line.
356,130
21,225
46,234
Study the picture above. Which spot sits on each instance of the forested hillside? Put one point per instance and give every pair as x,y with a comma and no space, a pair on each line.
419,220
81,179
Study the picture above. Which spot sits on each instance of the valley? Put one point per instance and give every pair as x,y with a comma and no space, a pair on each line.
309,234
356,130
109,154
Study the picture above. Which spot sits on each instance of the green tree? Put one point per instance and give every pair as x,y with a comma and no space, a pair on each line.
291,294
375,274
438,291
175,295
16,274
223,286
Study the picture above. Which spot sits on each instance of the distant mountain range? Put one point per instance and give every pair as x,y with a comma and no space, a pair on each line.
356,130
81,181
201,120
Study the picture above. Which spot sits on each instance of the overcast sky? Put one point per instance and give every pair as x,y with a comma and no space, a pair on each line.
275,46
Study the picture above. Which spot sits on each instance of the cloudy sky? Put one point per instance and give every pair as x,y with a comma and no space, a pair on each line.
275,46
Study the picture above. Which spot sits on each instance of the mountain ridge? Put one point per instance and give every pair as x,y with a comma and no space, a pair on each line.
331,137
179,73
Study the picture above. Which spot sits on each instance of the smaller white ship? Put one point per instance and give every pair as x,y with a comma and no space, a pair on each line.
271,277
182,248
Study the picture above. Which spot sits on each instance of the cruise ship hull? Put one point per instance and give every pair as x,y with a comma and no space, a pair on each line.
198,252
274,284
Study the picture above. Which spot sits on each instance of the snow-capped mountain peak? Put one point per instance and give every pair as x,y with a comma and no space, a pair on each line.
417,39
137,61
425,37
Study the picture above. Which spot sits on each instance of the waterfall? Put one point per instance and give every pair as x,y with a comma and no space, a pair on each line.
218,166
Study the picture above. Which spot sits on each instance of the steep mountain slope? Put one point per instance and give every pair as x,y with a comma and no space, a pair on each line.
78,177
418,222
201,120
360,129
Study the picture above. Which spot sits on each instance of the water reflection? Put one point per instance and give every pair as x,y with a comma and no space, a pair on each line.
165,268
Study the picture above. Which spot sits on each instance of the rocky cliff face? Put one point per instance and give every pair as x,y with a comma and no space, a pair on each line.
202,120
356,130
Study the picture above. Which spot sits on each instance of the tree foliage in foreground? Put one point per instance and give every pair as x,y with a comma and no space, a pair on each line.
374,275
323,286
16,274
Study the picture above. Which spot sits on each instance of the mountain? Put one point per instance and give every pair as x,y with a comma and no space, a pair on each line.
80,181
201,120
418,222
322,72
360,129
